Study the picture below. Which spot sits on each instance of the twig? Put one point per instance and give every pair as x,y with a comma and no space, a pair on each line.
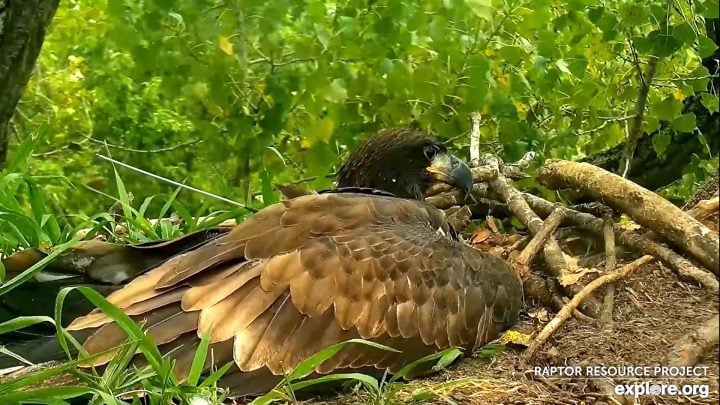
683,267
690,348
175,183
158,150
604,124
541,236
566,312
606,314
635,130
475,139
644,206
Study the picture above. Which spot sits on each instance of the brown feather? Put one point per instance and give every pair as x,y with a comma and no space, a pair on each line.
314,271
211,293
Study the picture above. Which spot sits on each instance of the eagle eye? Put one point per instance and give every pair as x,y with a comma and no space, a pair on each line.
430,151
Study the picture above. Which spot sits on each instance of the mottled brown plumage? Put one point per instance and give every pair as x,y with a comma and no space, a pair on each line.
307,273
317,270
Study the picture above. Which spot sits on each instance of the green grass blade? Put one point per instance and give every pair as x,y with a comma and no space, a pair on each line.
22,322
169,203
370,383
198,363
147,346
45,394
308,365
17,357
29,273
444,357
213,378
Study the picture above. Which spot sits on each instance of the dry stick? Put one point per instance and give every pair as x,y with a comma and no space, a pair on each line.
689,349
534,284
553,254
644,206
606,315
565,313
475,139
538,241
683,267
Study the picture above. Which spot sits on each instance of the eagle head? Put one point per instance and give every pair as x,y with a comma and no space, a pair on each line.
404,162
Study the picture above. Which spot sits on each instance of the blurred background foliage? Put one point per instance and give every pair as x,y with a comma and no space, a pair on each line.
236,96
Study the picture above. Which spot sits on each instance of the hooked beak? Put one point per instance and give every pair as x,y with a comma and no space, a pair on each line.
451,170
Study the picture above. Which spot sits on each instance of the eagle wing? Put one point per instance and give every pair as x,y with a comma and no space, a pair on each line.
314,271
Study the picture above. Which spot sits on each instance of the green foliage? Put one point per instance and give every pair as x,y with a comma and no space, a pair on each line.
120,378
203,90
381,392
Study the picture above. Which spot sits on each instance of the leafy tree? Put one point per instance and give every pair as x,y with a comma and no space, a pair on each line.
237,96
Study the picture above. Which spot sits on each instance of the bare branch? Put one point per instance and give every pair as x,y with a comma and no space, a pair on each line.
635,130
683,267
554,256
606,315
475,118
644,206
541,236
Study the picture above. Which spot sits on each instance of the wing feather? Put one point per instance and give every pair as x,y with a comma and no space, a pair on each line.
314,271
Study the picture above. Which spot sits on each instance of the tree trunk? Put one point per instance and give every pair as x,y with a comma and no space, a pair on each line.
23,24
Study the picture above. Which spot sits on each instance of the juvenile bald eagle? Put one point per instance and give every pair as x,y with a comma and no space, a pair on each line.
367,260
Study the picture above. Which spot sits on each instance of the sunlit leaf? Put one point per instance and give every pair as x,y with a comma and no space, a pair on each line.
225,45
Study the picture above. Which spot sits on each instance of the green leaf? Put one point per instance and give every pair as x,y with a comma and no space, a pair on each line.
706,46
633,14
684,33
660,142
306,366
663,45
337,92
23,322
321,130
563,66
448,357
481,8
700,78
133,330
686,123
710,101
21,154
709,8
30,272
609,25
213,378
668,109
443,359
651,124
511,54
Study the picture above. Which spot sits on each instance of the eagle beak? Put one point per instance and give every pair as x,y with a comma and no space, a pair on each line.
451,170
